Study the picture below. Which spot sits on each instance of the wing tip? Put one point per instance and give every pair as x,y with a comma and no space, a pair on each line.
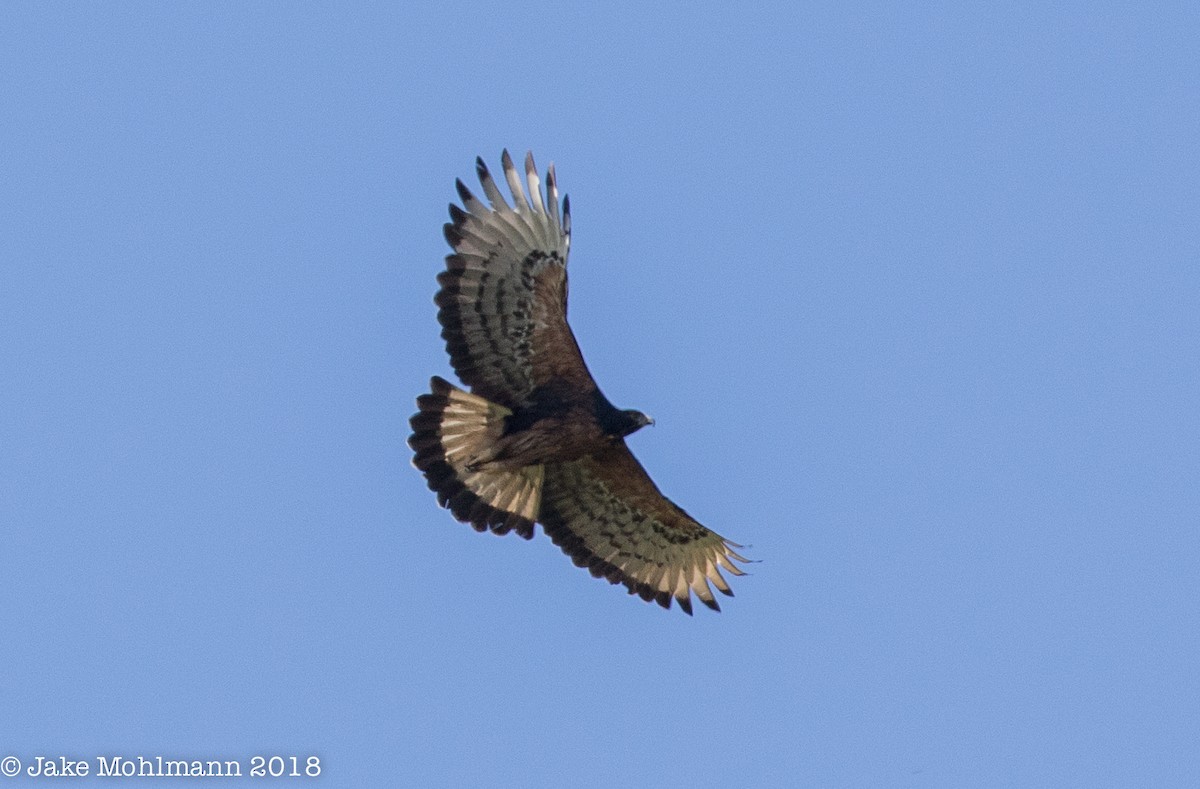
464,193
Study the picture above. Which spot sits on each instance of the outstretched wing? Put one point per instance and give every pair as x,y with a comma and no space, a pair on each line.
503,300
606,513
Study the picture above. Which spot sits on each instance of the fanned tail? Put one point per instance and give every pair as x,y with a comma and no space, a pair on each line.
452,430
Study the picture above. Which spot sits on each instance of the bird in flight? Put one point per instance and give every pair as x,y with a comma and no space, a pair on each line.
535,440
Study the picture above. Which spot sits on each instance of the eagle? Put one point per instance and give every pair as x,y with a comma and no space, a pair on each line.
534,440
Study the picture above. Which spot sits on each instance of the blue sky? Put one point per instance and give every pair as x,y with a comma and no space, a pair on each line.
913,295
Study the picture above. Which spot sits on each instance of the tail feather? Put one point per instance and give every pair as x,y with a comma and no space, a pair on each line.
453,431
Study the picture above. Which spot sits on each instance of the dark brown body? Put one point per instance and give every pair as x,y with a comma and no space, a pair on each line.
555,430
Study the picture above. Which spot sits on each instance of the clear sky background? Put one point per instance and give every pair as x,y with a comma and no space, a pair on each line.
913,294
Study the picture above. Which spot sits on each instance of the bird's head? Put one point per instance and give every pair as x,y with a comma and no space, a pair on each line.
634,420
617,422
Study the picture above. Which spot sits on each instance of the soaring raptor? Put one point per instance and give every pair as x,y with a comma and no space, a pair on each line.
535,440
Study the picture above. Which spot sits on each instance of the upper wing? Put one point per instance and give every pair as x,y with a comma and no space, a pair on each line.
605,512
504,291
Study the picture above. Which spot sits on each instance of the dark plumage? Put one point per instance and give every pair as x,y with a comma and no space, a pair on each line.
535,440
